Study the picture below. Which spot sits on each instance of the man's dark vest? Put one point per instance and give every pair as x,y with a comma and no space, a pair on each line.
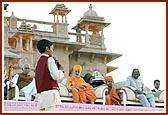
43,79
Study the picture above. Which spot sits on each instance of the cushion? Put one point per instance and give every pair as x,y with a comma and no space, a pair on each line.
99,90
129,93
119,85
161,97
63,90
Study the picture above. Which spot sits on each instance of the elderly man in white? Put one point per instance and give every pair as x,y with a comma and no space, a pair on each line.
137,85
25,83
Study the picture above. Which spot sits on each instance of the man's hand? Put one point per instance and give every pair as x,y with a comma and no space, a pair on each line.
32,98
69,88
139,92
61,68
81,87
11,84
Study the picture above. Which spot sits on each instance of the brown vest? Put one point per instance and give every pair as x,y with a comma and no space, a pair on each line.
24,80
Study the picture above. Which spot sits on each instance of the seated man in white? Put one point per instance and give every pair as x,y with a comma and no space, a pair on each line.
135,83
25,83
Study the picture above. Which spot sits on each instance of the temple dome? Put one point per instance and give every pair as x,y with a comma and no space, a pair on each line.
90,12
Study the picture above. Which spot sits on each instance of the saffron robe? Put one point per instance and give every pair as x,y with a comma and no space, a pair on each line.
81,95
113,94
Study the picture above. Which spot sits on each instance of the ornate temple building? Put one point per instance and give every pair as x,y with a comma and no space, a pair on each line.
86,48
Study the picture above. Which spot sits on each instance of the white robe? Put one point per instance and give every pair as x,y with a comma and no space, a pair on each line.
28,90
146,99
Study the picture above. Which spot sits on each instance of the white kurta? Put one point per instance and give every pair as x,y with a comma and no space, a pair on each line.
146,99
51,97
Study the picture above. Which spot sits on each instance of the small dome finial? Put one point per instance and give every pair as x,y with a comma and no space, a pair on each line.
90,12
12,14
90,7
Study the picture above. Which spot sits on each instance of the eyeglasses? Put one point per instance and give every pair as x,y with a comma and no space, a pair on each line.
26,68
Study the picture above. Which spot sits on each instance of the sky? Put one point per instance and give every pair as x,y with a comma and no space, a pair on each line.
137,30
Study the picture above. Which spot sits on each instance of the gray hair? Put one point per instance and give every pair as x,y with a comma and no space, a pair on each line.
25,64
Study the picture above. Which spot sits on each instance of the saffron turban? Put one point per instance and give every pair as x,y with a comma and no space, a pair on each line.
77,68
107,78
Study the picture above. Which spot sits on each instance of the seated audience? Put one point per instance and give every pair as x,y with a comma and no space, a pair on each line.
112,97
156,85
156,91
6,84
137,85
81,91
25,83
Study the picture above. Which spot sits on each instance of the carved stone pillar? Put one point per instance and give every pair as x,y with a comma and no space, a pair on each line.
26,45
62,19
102,38
20,42
31,44
54,18
87,33
6,28
57,17
66,19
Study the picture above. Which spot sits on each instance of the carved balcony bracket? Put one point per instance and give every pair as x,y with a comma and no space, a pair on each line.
105,59
92,57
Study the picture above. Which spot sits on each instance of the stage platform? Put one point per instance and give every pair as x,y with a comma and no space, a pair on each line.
9,106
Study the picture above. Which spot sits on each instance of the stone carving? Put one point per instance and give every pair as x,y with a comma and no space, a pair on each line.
27,27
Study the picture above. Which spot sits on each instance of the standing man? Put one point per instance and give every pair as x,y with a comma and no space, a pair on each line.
137,85
47,74
78,31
